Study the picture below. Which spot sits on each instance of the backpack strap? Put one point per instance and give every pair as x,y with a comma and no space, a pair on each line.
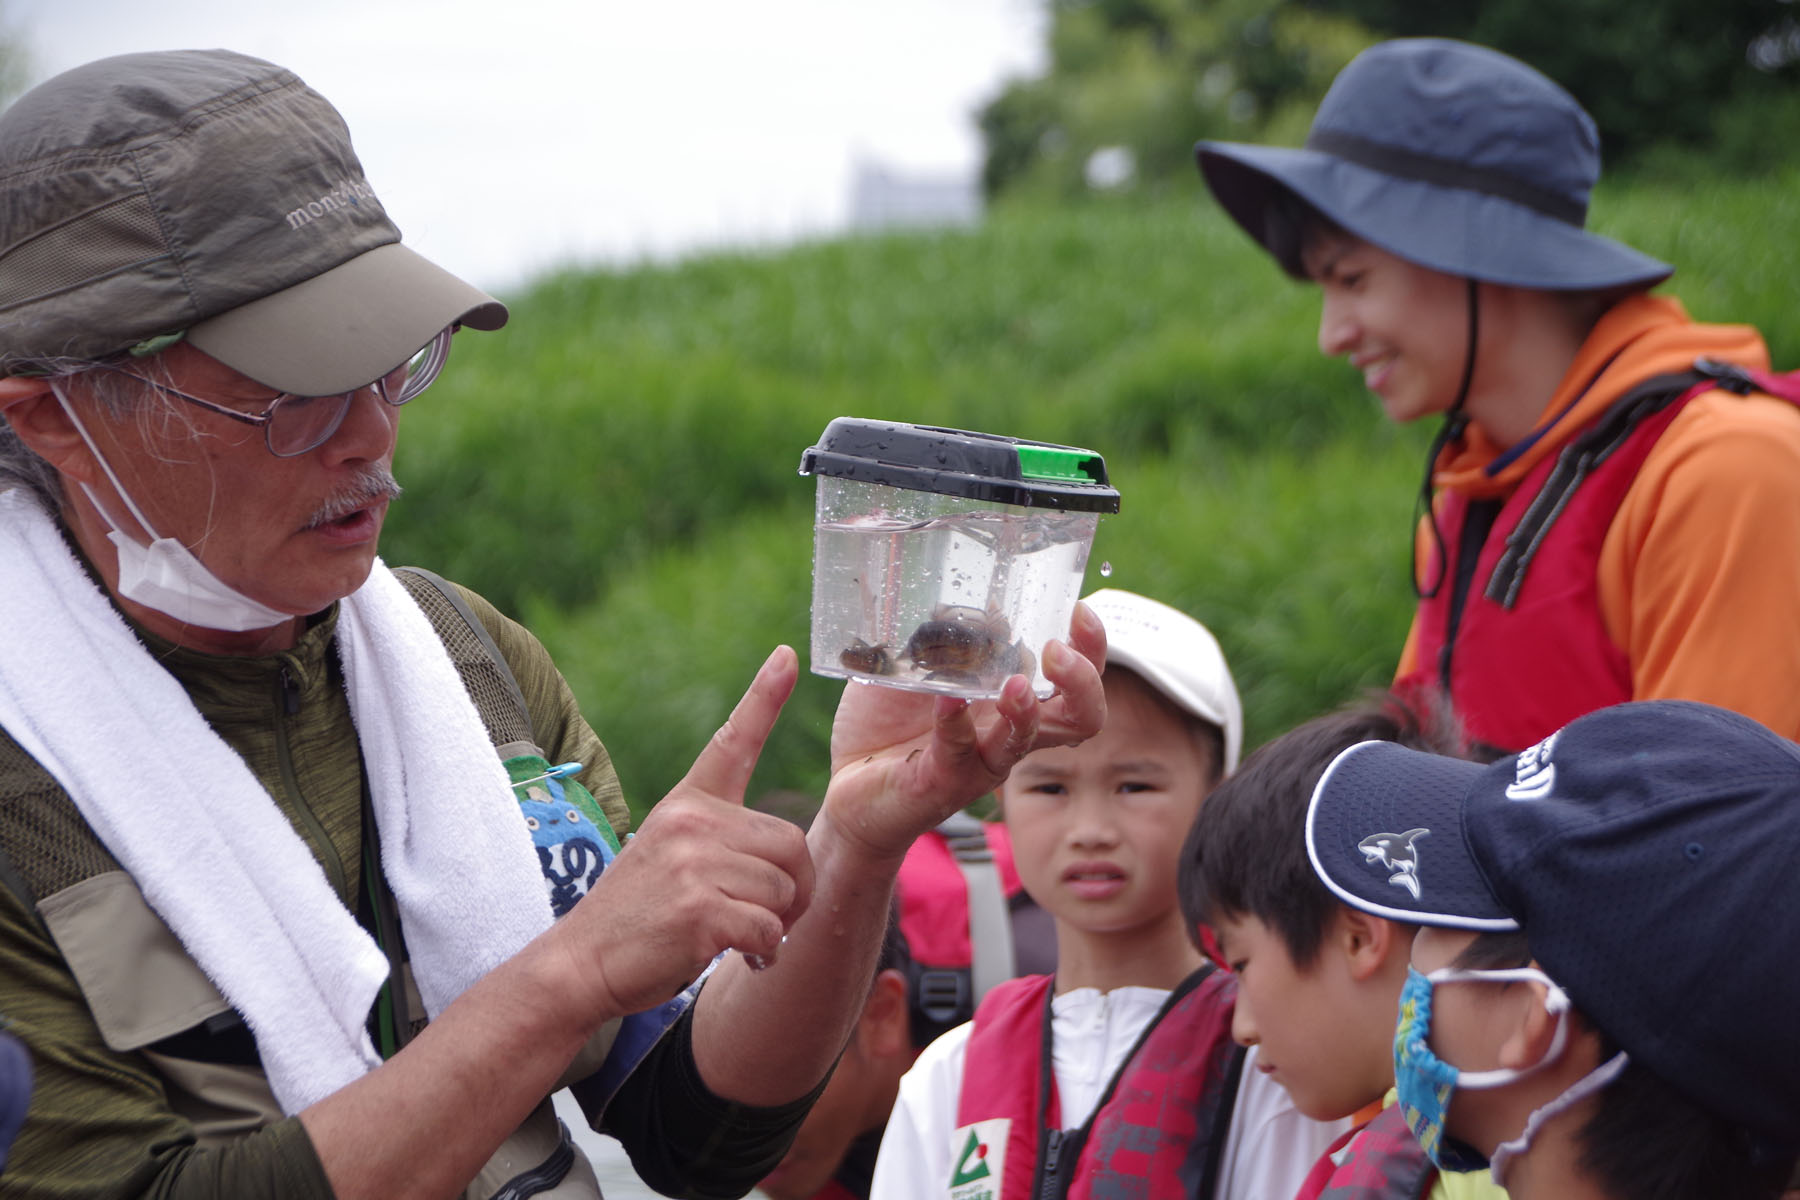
1577,460
1592,447
1744,380
992,959
484,670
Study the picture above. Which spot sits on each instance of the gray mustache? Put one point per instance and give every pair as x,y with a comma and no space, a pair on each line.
370,485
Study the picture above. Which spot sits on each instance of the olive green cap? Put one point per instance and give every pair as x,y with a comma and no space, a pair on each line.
213,195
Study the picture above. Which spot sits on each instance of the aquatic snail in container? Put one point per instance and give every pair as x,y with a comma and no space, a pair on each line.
944,559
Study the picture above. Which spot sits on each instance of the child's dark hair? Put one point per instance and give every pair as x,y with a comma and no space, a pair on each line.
1697,1155
1212,743
1246,853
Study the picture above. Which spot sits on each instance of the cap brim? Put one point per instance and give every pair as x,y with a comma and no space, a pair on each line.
1449,229
1215,709
1148,637
1385,834
346,327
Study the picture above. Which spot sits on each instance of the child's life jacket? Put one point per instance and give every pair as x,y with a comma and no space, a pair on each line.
1381,1160
1158,1130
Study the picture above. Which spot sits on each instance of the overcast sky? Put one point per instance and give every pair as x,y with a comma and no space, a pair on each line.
505,136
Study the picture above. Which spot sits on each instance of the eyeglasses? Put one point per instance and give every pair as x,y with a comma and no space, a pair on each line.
292,425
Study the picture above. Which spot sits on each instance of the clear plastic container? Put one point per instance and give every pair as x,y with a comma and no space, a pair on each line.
943,559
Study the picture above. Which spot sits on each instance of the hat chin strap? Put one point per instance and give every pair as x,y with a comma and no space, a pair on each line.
1455,421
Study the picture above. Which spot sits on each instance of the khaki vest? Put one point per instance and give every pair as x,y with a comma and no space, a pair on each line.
142,986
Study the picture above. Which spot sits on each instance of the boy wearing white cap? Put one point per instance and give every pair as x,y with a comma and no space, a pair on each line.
1614,497
1119,1069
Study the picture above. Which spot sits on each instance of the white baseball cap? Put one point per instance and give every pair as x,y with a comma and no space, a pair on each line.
1176,655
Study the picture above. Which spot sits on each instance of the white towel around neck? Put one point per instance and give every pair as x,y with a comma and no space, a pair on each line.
212,852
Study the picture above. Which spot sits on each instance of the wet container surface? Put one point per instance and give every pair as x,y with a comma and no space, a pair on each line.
945,559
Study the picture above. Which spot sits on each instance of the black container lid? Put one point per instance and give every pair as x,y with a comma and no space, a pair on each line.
958,462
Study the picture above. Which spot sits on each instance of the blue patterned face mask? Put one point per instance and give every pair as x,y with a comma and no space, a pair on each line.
1424,1082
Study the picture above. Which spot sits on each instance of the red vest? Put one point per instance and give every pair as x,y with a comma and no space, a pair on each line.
1158,1130
1385,1162
1529,651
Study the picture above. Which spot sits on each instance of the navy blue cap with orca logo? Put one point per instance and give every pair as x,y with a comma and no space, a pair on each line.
1650,853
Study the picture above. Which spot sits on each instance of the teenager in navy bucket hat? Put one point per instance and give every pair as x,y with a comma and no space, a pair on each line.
1604,988
1603,459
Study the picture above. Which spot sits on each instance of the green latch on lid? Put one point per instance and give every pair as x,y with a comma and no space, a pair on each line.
1057,462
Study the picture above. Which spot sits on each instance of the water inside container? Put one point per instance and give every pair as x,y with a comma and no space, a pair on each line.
940,594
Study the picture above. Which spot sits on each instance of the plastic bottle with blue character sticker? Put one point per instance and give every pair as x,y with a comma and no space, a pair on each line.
573,838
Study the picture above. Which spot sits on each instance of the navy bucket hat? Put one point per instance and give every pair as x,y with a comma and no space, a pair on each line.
1449,155
1648,851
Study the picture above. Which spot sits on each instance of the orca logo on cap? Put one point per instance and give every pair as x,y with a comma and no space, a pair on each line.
1396,852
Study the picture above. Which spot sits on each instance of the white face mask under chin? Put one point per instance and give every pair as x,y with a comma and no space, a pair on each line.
165,575
1580,1090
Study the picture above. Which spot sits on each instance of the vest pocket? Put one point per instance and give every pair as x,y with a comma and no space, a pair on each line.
139,982
147,996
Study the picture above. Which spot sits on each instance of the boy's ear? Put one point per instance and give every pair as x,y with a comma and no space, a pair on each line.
885,1029
1369,943
1533,1030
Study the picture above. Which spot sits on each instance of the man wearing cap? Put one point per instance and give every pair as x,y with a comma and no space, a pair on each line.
309,881
1602,994
1614,496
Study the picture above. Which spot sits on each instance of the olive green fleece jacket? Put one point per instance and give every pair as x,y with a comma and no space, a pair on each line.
101,1124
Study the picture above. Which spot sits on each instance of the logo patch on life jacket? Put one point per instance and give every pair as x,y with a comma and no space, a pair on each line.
978,1159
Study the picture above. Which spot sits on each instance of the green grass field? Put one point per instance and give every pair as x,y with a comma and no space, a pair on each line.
617,467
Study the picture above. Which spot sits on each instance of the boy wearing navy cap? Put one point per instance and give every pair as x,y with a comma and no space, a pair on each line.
1602,996
1614,497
